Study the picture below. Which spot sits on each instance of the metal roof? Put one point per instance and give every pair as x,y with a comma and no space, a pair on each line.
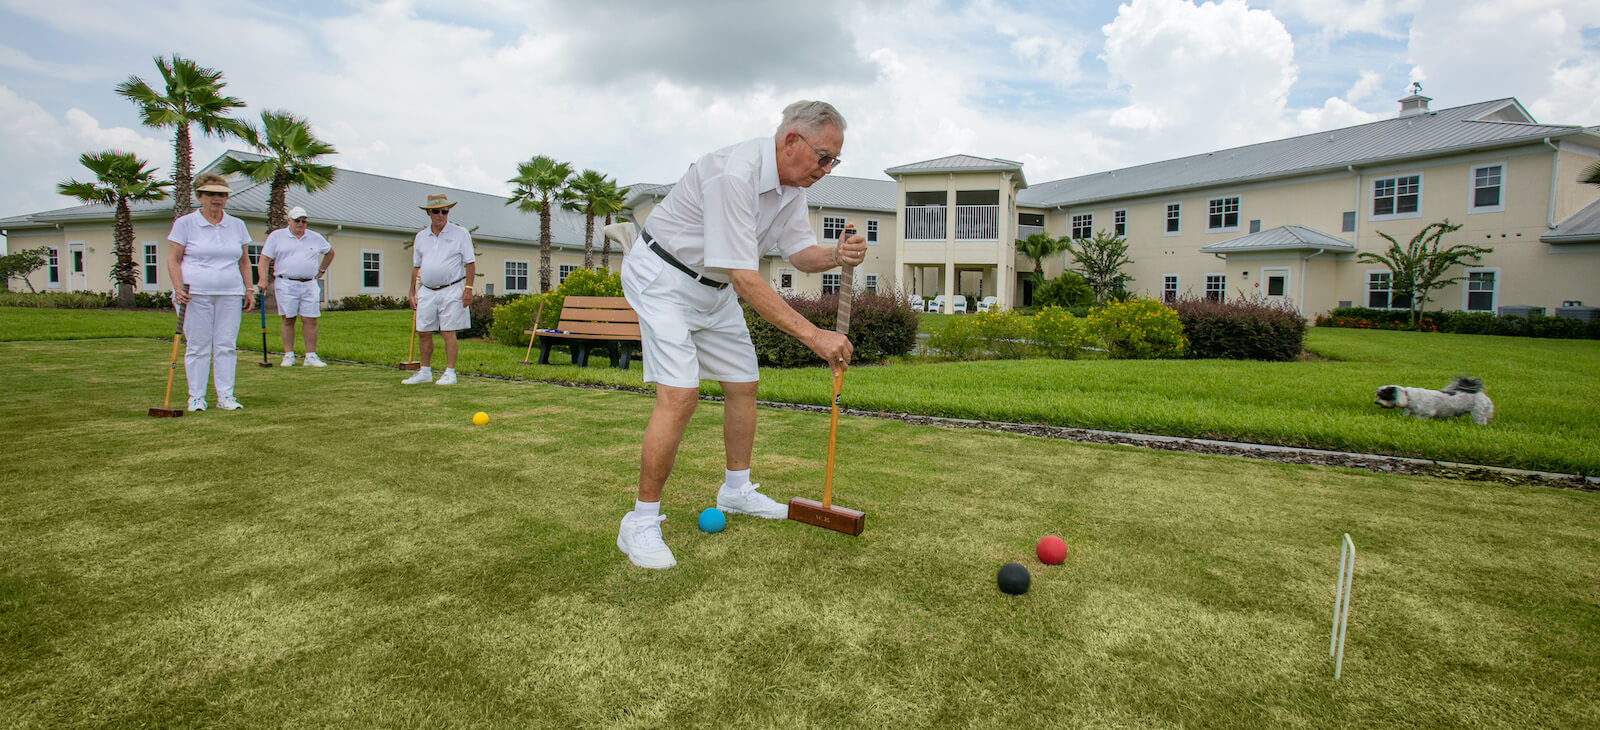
962,163
1282,238
832,191
1484,125
1580,227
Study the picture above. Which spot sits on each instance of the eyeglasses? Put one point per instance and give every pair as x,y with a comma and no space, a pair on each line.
828,161
439,211
298,220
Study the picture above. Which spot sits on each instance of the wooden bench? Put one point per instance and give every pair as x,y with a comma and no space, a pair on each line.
587,323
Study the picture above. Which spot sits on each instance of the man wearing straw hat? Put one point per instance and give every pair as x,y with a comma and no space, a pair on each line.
291,255
443,265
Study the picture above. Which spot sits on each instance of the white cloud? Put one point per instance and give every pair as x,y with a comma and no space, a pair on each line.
1337,18
47,149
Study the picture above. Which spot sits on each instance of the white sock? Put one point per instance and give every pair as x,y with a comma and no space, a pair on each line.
425,370
642,510
449,371
733,481
309,354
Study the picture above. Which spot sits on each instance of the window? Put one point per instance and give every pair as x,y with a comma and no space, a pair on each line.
52,262
151,267
1119,223
254,252
1380,292
786,279
1173,210
831,228
1169,288
1255,225
872,232
1348,223
1030,219
1396,197
1222,214
371,270
872,283
1487,193
1277,284
1480,291
1083,226
562,271
1216,287
516,276
830,283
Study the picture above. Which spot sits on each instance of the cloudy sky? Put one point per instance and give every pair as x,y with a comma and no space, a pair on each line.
458,92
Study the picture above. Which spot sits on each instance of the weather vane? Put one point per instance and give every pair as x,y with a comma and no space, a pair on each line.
1416,87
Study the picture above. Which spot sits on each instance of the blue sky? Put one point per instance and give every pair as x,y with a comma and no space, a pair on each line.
456,93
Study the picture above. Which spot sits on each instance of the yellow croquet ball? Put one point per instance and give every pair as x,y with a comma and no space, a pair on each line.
480,418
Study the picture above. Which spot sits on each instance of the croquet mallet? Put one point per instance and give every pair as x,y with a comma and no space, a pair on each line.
824,514
533,332
172,367
261,302
410,364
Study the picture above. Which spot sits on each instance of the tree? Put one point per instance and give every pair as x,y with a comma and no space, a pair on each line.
540,182
122,178
21,265
193,96
612,204
1038,246
1421,266
1100,261
587,190
291,151
1591,174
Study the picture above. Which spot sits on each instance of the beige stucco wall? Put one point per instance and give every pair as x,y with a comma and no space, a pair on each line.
957,266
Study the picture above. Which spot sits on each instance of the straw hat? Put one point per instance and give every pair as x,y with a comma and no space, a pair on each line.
438,201
212,183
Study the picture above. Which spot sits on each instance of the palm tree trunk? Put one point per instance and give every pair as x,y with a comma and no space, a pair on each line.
182,173
544,246
123,272
588,244
277,210
605,246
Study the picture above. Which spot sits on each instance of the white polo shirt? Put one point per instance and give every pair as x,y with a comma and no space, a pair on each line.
729,209
442,258
296,258
211,253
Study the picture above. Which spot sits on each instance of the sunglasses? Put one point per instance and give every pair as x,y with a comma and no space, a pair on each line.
439,211
828,161
298,220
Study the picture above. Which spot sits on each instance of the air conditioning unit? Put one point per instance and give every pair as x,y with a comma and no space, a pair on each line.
1523,311
1587,314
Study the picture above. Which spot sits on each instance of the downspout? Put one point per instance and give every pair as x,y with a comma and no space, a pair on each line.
1555,169
1356,229
1300,304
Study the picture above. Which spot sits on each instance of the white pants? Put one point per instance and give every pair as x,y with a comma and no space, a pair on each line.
211,329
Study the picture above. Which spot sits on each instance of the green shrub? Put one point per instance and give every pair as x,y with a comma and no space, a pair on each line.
152,299
1138,329
958,340
481,313
1066,290
1003,334
881,326
1058,334
511,318
1464,323
1241,329
57,300
364,302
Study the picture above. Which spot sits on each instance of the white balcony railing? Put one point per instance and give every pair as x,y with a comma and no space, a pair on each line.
977,223
1025,231
925,222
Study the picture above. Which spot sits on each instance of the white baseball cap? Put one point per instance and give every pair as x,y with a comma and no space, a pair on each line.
297,213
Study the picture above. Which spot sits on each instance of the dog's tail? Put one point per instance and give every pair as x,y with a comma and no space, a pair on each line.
1465,384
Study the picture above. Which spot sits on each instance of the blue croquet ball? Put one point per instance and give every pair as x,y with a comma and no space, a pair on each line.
1013,579
712,520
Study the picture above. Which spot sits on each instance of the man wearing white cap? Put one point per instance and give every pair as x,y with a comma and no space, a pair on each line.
443,264
292,255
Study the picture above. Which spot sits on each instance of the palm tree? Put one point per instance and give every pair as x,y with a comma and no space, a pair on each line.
1037,246
122,177
291,151
540,182
587,190
1591,174
612,203
193,96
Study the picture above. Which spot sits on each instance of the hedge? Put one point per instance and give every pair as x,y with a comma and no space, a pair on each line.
881,326
1240,329
1465,323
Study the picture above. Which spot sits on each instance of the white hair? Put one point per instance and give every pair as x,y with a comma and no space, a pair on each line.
809,116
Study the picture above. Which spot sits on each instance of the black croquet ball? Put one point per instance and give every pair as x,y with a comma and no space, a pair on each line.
1013,579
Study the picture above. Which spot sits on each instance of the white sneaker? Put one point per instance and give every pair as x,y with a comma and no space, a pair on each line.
748,501
312,361
288,360
640,539
421,376
449,378
197,404
227,403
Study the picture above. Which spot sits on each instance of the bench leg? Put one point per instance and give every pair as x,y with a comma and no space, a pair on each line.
544,351
580,354
628,351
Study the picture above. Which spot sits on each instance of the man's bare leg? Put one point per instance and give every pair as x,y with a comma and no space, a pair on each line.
308,333
425,348
450,348
738,423
673,409
286,335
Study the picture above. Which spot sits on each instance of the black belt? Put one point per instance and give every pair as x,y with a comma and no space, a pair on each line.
446,286
679,265
294,278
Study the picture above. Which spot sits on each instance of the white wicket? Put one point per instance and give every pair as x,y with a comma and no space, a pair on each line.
1341,602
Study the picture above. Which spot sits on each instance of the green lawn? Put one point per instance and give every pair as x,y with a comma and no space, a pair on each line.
351,552
1543,389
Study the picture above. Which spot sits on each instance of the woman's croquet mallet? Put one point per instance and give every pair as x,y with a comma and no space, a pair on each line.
172,367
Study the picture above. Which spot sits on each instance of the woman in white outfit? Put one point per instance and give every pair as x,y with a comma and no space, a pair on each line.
209,264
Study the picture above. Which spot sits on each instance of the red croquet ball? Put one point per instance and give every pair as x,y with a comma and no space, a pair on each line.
1051,550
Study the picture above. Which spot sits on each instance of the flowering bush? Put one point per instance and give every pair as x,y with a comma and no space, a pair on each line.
958,340
1003,334
881,326
1058,334
511,319
1241,329
1139,329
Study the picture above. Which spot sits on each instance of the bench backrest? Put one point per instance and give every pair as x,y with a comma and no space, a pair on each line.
606,316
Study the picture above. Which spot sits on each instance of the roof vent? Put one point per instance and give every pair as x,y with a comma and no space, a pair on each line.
1414,103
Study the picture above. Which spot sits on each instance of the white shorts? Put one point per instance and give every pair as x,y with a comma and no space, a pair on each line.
296,298
691,331
440,310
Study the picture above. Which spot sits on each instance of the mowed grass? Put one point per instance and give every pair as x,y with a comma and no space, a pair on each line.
1545,413
349,551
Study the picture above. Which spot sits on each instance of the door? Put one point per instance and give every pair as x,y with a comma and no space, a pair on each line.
77,269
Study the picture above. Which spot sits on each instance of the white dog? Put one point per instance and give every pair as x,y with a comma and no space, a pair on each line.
1461,397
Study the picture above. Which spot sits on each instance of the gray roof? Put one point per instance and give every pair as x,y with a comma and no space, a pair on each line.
832,191
360,200
1282,238
962,163
1485,125
1580,227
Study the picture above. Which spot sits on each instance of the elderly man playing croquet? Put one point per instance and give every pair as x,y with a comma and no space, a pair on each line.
700,247
291,256
443,265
